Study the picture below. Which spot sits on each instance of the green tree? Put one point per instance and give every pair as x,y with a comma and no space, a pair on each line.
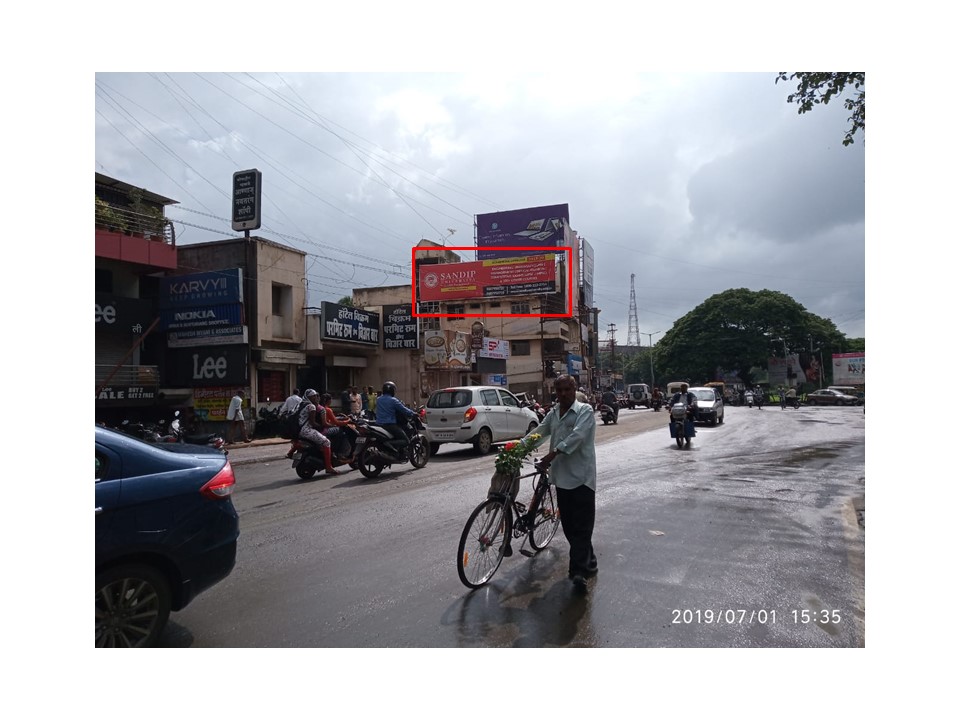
820,88
346,300
740,329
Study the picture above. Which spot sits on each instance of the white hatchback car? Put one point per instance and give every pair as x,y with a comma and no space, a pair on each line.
478,414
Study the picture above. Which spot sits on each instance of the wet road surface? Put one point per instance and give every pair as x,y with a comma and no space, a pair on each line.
748,539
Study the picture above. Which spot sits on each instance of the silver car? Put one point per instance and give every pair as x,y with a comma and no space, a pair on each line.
479,414
709,405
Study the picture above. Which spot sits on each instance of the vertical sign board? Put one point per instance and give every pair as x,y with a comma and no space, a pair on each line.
246,200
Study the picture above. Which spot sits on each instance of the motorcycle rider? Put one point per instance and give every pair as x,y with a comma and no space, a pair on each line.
657,398
684,396
312,431
791,396
388,410
341,433
609,398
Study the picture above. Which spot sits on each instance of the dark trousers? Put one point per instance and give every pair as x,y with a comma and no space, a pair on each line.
577,512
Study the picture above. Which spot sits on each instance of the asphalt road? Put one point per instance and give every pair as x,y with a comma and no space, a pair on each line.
749,539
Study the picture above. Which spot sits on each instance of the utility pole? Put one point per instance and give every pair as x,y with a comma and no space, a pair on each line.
612,333
650,337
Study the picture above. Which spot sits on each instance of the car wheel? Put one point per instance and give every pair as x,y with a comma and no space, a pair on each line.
531,427
713,421
484,441
133,604
434,448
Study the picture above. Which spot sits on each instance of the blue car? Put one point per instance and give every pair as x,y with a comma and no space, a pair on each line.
166,530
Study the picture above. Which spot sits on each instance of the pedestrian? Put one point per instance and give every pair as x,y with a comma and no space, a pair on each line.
235,418
356,402
371,402
345,401
571,426
291,403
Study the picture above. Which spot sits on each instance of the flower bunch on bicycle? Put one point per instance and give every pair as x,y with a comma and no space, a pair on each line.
510,458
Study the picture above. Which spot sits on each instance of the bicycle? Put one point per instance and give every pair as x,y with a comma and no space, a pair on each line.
493,522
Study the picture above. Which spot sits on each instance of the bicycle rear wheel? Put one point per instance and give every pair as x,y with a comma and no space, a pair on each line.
483,542
546,520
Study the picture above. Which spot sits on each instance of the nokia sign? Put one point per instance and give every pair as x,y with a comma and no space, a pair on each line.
202,317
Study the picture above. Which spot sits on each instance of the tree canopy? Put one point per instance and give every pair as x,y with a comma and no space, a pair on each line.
819,88
740,329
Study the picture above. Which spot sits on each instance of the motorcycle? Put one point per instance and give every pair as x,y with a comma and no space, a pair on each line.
681,424
657,404
793,402
608,414
268,423
377,449
190,436
308,459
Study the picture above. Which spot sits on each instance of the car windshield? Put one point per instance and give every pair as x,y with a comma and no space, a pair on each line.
706,395
449,399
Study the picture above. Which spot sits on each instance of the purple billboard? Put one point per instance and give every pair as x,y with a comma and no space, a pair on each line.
527,227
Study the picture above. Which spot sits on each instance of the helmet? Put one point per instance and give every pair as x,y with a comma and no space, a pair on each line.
310,393
389,388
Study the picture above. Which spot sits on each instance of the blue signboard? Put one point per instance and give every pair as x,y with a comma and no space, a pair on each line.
527,227
220,287
204,316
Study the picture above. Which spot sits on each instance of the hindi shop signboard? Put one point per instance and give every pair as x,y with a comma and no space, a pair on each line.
533,275
400,328
246,199
349,324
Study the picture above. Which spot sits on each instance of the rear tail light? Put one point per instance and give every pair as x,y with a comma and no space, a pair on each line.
221,485
470,414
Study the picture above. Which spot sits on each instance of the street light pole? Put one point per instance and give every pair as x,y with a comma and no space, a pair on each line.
650,337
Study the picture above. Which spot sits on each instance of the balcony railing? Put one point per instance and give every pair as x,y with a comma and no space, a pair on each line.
150,226
127,375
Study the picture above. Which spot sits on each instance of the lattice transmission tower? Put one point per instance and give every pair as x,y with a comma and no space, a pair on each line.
633,328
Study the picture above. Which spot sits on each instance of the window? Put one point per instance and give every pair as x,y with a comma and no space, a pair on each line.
455,311
508,399
474,306
519,347
489,397
281,310
102,466
429,308
519,308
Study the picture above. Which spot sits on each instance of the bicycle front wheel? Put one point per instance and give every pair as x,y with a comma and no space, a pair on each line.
483,542
546,520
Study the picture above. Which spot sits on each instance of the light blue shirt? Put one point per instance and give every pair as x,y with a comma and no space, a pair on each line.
573,436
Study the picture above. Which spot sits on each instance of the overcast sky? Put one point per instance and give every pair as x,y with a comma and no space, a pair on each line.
695,183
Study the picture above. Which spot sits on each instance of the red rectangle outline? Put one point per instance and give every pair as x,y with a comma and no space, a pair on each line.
540,250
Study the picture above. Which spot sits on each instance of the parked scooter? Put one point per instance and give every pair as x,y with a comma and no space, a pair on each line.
608,414
681,424
191,437
377,449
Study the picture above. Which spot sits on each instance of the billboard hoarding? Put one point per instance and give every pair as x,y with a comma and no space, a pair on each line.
220,287
503,277
849,369
540,227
